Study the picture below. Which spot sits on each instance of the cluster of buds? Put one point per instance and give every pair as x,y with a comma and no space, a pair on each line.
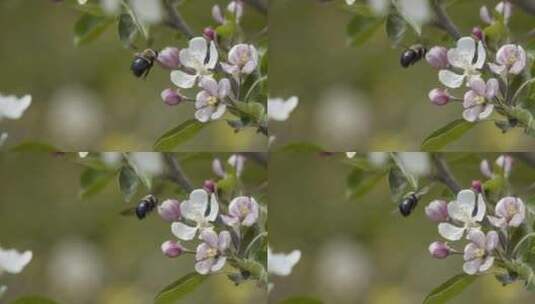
219,83
487,234
217,229
466,65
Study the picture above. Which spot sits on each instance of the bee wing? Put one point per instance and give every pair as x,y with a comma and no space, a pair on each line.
129,212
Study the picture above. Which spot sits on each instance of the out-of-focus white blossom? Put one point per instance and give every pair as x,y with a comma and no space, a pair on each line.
147,163
280,109
281,264
12,107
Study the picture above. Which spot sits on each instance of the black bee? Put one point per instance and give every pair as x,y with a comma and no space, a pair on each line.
408,204
143,62
145,206
412,55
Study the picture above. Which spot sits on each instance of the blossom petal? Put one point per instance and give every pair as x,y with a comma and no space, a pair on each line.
487,263
467,199
183,231
214,56
218,264
204,114
209,237
209,85
472,114
478,85
202,251
223,88
195,207
214,208
481,56
204,267
282,264
471,267
224,241
198,49
13,107
487,110
183,80
492,88
481,208
477,237
450,232
13,261
450,79
492,241
220,110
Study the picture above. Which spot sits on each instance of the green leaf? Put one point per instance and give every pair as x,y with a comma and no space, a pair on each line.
450,289
301,300
253,110
226,30
128,182
127,29
89,28
34,147
361,28
395,28
179,289
33,300
495,32
178,135
93,181
445,135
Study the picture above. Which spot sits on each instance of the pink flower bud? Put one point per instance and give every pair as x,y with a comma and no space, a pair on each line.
437,57
171,97
439,250
209,185
477,186
209,33
172,249
484,14
478,33
168,58
439,97
169,210
437,211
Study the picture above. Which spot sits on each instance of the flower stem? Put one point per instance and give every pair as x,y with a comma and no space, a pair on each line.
175,19
177,174
525,84
258,237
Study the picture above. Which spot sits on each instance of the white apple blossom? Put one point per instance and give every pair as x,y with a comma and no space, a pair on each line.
13,261
351,154
12,107
280,109
194,209
201,57
464,57
210,255
461,211
478,253
210,102
281,264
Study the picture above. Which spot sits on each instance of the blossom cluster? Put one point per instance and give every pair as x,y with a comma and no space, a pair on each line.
466,65
488,233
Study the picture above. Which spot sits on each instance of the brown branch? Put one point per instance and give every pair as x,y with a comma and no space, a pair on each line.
443,20
177,174
444,174
175,19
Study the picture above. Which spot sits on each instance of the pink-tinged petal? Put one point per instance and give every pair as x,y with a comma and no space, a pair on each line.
470,251
187,59
204,114
497,69
492,241
485,168
467,200
497,222
217,167
486,111
520,63
210,238
472,267
477,237
223,88
486,264
183,231
230,220
209,85
235,206
214,208
481,208
198,49
249,67
230,69
492,88
224,241
196,205
470,99
218,113
201,100
478,85
202,252
217,14
183,80
204,267
450,79
472,114
214,56
450,232
218,264
481,56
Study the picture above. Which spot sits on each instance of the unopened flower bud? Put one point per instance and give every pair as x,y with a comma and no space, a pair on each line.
478,33
172,249
209,185
506,163
171,97
437,57
169,58
484,14
439,96
505,8
477,186
437,211
439,250
169,210
217,14
209,33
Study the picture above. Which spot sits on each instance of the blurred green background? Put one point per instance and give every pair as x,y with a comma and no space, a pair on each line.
360,98
364,251
84,250
86,98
